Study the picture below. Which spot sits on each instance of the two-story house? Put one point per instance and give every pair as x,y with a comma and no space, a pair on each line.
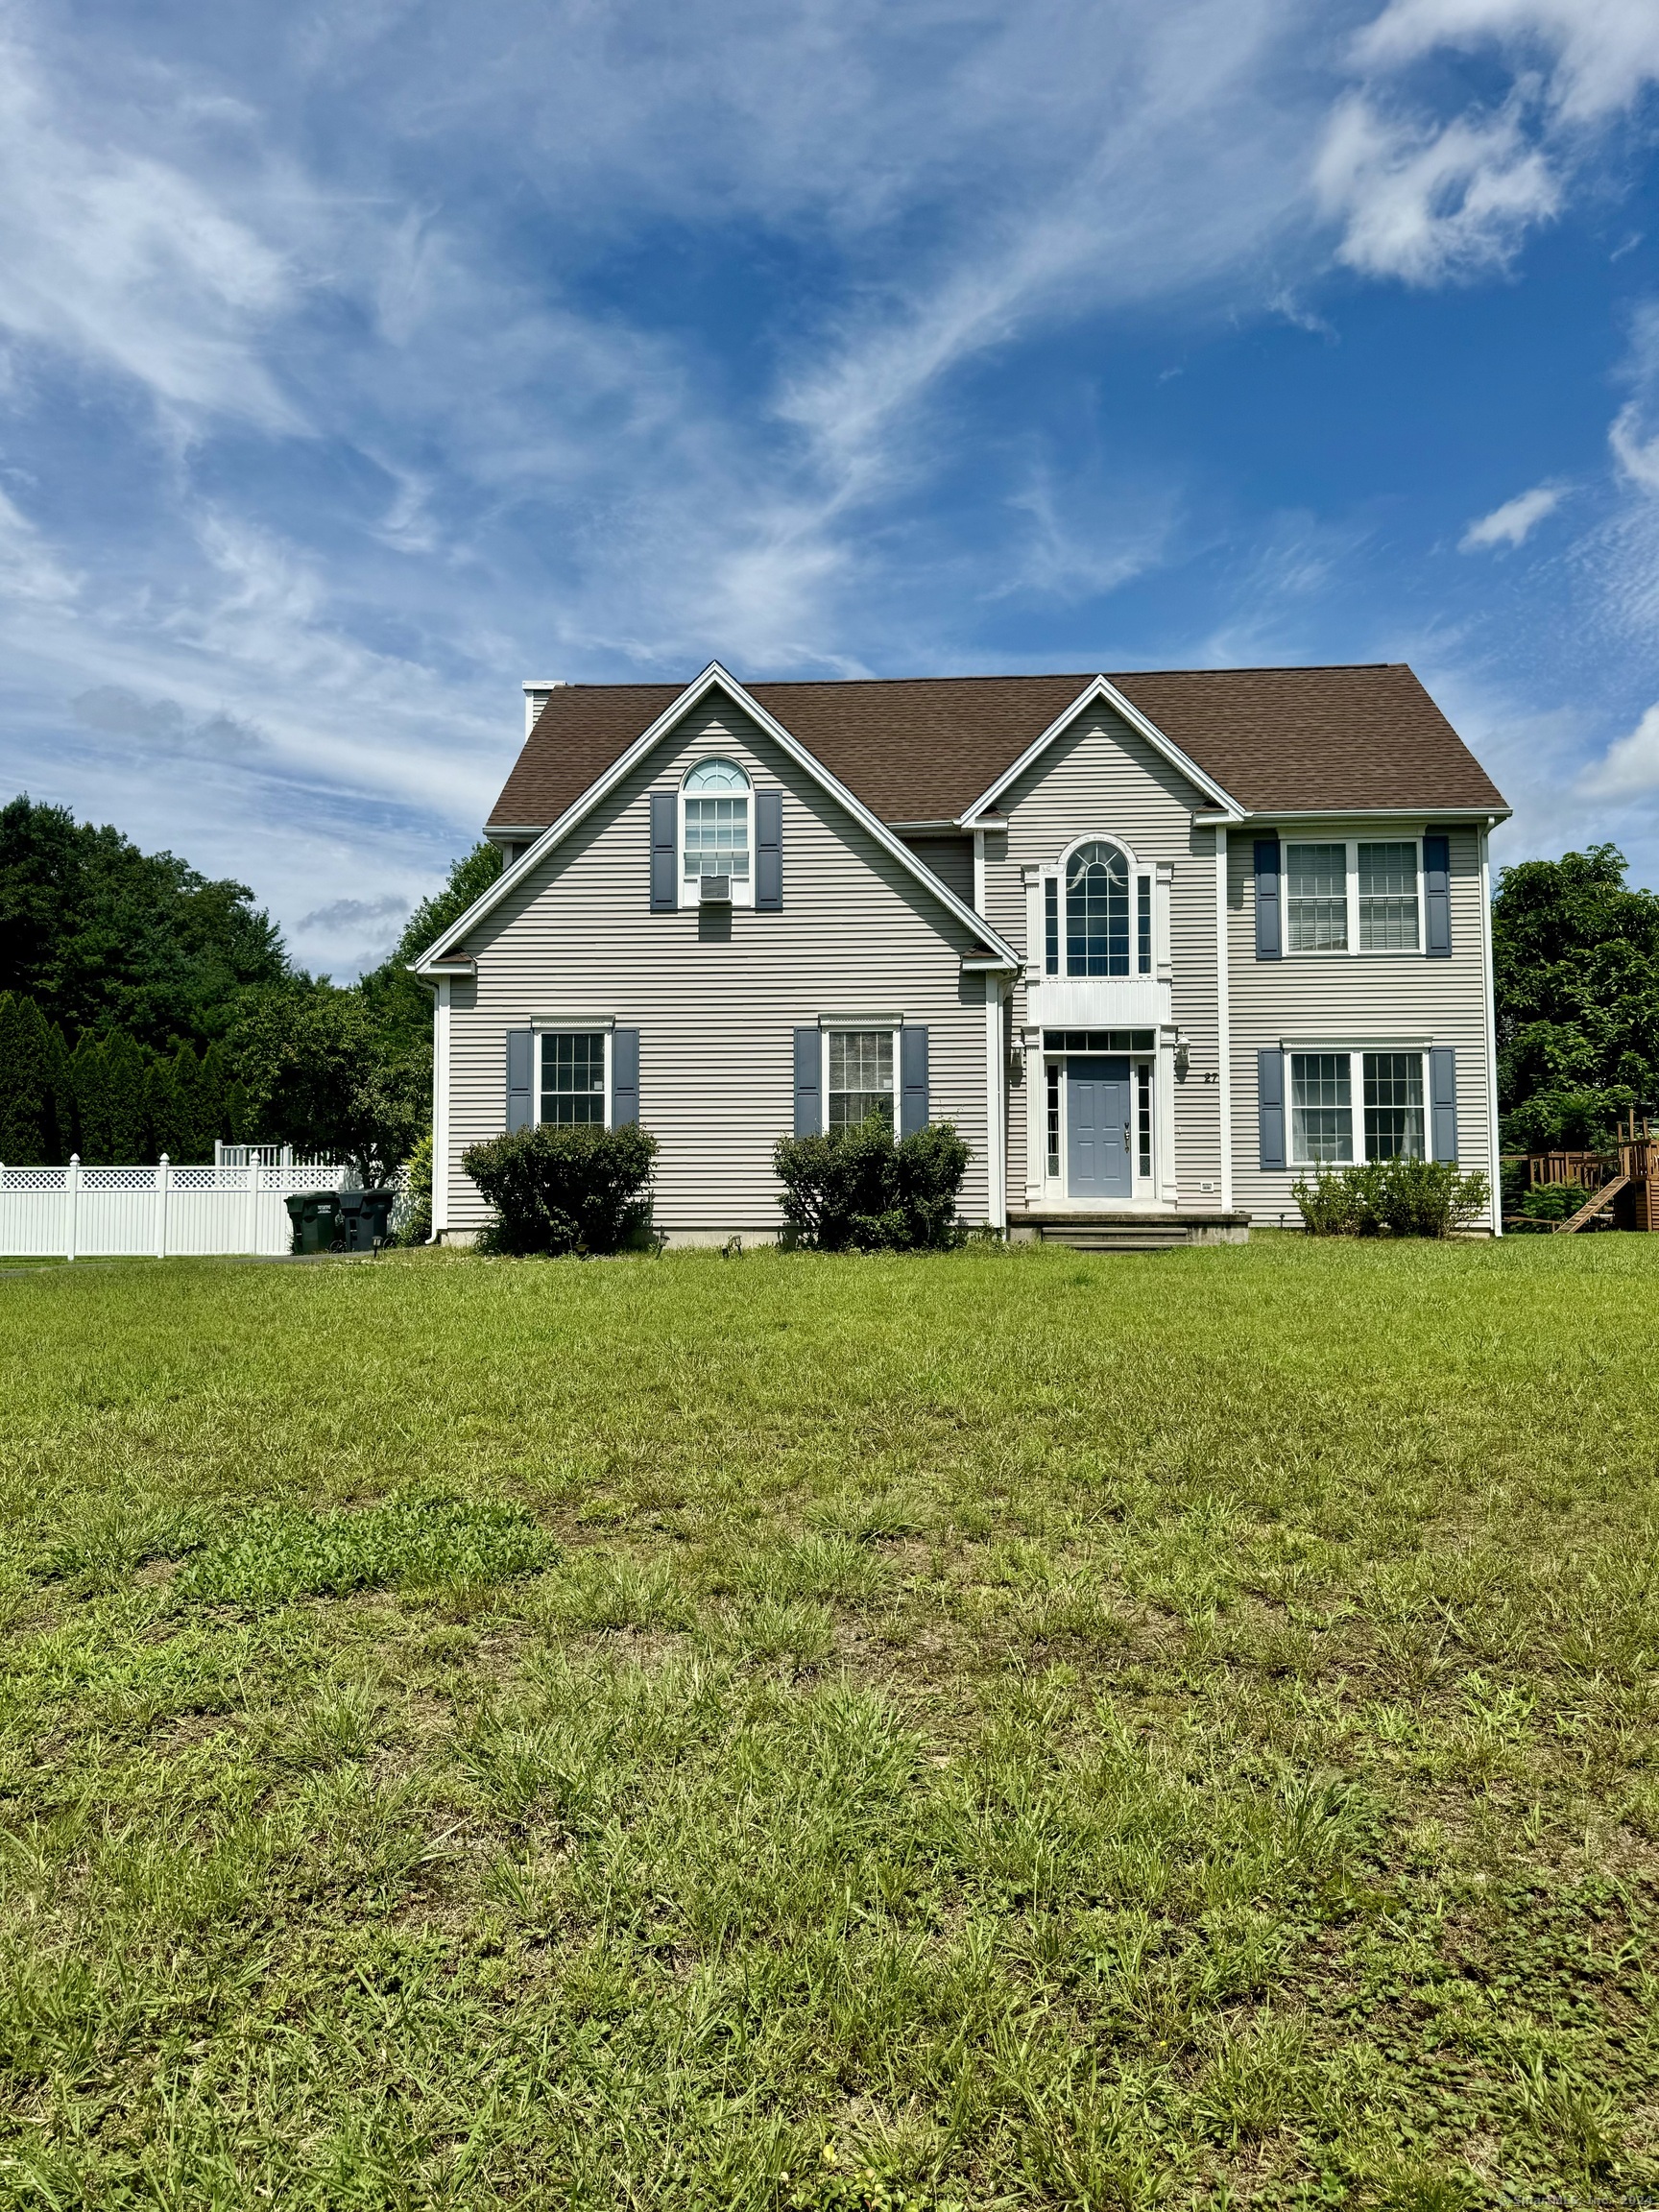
1155,943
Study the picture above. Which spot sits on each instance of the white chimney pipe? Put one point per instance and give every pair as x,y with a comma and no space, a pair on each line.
536,697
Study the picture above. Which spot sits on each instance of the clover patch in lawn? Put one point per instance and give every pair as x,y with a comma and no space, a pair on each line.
417,1542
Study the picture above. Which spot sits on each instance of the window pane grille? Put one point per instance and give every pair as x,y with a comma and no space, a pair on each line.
860,1077
1097,912
1053,1121
1099,1040
1317,897
1387,887
1143,924
1144,1090
1393,1105
1321,1107
1050,926
718,821
573,1078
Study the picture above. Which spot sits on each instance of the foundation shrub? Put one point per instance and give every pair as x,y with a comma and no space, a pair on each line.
861,1191
559,1190
1390,1198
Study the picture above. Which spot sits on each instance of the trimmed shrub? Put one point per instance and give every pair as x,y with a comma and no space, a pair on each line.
1390,1198
558,1188
859,1190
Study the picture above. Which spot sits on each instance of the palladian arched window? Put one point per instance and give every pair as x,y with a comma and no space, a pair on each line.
716,830
1097,911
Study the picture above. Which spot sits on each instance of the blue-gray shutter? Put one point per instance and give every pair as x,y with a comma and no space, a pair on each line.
1437,894
809,1082
624,1077
1443,1102
664,854
769,851
913,1081
520,1078
1271,1107
1269,938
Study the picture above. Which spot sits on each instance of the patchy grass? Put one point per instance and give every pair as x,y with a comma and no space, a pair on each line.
1007,1730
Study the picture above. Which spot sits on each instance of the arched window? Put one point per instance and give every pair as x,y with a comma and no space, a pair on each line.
1097,911
715,839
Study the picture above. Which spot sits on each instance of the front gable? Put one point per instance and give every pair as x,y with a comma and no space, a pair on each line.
660,756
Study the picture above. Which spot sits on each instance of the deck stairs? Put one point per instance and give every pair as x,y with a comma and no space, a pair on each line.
1597,1203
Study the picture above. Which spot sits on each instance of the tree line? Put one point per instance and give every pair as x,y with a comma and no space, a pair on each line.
145,1008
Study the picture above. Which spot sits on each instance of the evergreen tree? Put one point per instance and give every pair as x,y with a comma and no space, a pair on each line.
125,1078
59,1126
192,1119
89,1081
22,1083
166,1115
212,1101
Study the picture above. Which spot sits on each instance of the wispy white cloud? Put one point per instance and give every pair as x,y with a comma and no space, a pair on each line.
119,260
1431,203
1514,521
1431,198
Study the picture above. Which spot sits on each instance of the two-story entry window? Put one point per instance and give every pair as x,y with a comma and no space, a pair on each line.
1108,914
715,830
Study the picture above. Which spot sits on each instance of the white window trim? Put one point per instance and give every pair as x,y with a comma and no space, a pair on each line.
573,1029
1157,892
1352,949
1354,1055
742,887
876,1026
1140,1186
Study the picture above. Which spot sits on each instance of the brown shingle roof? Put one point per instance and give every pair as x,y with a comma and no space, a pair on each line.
920,749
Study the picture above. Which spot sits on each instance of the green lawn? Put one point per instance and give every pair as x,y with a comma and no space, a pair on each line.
1011,1729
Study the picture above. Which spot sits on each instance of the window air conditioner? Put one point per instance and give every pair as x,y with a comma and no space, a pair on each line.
716,890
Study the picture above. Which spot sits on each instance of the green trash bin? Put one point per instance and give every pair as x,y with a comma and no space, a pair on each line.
365,1218
316,1219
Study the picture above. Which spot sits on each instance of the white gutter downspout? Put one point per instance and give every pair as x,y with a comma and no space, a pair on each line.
1491,1018
441,1112
1224,1018
996,1118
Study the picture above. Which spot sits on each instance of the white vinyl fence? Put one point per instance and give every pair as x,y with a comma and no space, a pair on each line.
80,1212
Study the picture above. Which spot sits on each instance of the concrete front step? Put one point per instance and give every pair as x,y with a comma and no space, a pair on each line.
1128,1232
1081,1239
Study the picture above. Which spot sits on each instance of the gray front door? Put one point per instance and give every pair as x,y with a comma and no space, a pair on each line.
1098,1163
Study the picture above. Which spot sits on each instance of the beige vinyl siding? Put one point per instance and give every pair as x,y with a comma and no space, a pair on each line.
1352,997
716,999
1102,779
950,859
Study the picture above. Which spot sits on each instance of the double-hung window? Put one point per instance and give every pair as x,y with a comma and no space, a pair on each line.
1387,888
1317,897
1324,1090
860,1077
715,832
1354,896
573,1075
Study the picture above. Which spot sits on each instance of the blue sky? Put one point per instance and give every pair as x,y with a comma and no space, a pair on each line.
357,362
